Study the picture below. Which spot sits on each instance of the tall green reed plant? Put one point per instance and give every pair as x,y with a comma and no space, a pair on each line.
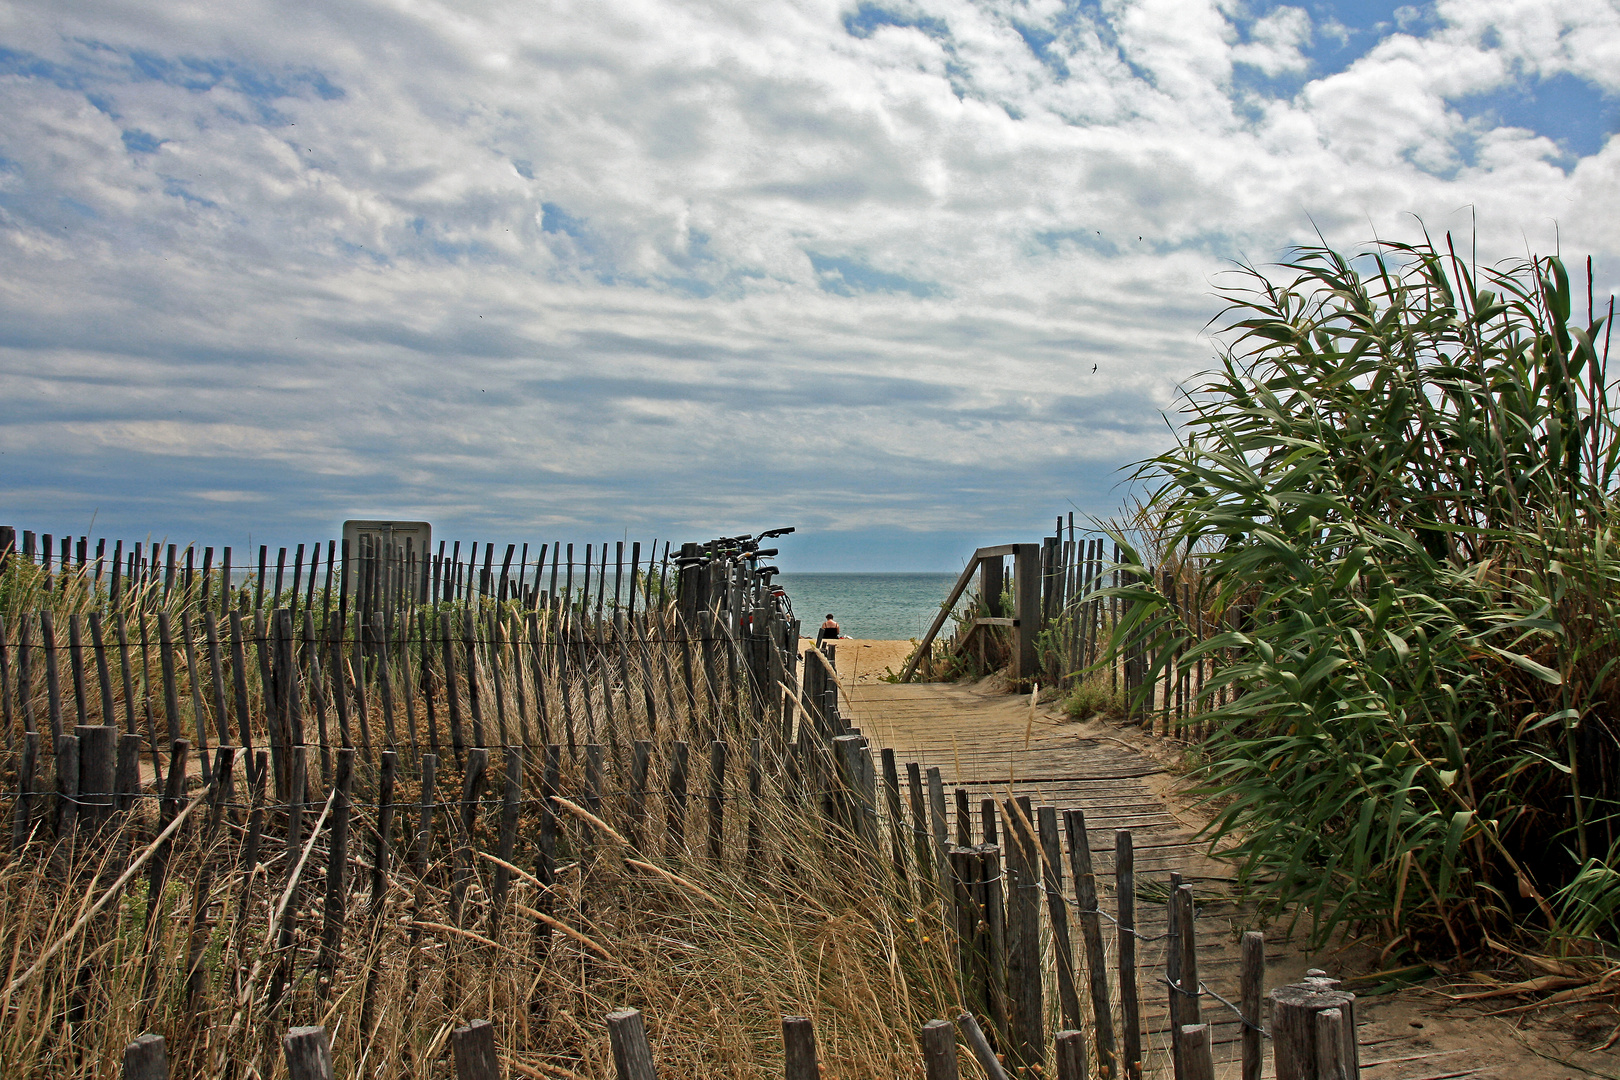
1397,488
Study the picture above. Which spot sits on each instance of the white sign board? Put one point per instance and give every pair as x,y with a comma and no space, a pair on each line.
388,559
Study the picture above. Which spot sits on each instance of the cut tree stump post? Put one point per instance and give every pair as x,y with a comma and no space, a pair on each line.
632,1057
309,1053
1071,1055
1193,1044
474,1050
799,1048
146,1059
1294,1031
1329,1042
939,1050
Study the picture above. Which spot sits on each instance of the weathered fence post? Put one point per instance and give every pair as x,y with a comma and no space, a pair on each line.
1023,915
1071,1055
1254,981
1330,1063
982,1050
799,1048
1295,1034
474,1050
1193,1049
309,1053
717,799
1058,916
939,1050
1129,1017
632,1057
97,767
146,1059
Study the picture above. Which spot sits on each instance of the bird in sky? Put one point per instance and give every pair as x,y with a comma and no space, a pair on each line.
1094,369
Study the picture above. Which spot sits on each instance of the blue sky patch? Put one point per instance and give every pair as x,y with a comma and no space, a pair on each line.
137,141
850,277
1572,112
1040,42
868,18
554,219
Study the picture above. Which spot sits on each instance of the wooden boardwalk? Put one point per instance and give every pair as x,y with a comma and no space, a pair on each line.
990,743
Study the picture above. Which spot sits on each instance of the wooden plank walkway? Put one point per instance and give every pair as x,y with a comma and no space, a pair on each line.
990,743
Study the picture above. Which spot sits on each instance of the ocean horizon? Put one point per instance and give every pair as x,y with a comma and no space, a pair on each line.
874,605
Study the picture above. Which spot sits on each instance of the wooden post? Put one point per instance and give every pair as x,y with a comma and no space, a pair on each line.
1193,1048
472,789
127,780
1183,974
939,1051
1085,887
23,815
640,758
309,1054
258,769
169,807
1254,981
337,865
632,1057
847,803
382,852
756,779
1027,617
799,1049
1071,1055
1057,909
593,791
511,801
963,886
146,1059
97,767
992,905
545,858
53,686
675,809
1330,1064
474,1050
1024,981
1294,1030
67,786
717,799
980,1046
919,828
891,799
1129,1016
936,820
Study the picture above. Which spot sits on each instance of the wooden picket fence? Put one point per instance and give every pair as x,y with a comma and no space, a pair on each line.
1057,629
397,704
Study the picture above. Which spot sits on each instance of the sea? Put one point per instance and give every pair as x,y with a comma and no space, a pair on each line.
875,606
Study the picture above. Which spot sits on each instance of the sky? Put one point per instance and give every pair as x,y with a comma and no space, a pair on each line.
909,276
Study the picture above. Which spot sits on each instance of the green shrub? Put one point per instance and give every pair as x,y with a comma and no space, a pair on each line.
1398,490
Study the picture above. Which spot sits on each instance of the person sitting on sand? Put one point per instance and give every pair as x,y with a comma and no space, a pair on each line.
829,629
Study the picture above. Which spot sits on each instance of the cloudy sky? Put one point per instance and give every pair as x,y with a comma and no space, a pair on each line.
593,270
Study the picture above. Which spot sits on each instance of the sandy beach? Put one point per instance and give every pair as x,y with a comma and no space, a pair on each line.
863,660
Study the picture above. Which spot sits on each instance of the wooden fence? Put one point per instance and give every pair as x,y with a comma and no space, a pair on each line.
518,726
1064,610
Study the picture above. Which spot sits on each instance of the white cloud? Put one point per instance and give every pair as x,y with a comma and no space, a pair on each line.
665,263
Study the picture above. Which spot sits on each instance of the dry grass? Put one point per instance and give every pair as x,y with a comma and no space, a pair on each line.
713,954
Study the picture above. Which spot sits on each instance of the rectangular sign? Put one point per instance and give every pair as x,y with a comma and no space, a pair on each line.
388,563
